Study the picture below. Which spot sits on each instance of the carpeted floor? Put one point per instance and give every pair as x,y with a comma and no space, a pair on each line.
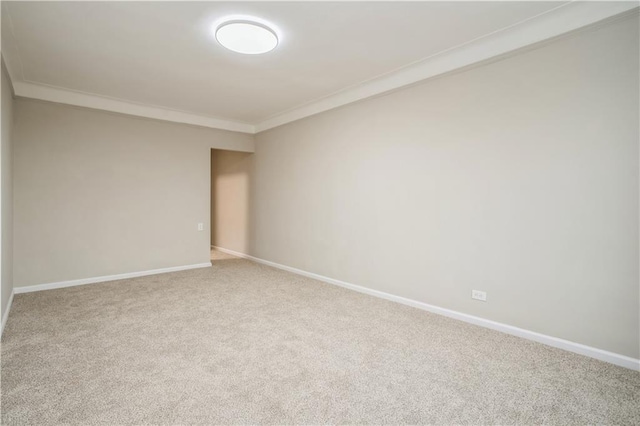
244,343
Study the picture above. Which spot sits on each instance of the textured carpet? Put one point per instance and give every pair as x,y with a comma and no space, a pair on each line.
245,343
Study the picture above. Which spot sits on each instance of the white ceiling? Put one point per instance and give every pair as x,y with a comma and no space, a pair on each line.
163,54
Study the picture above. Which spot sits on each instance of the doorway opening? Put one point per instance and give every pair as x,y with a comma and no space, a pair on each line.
230,203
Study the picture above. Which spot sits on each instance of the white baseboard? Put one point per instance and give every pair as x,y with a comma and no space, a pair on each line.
602,355
5,315
94,280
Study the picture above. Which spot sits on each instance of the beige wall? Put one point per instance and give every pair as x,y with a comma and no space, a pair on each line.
519,178
230,195
6,177
100,194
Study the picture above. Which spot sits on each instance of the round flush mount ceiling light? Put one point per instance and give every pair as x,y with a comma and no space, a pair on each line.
248,37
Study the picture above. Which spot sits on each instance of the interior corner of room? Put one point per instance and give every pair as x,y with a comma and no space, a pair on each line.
503,193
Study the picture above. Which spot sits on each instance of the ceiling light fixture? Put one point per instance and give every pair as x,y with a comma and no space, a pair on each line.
245,36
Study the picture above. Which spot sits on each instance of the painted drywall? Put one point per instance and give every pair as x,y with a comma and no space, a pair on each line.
6,177
99,194
518,177
230,196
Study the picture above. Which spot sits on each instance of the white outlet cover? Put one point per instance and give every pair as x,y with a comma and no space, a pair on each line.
479,295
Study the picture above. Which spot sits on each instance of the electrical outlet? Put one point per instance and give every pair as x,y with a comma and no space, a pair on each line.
479,295
201,227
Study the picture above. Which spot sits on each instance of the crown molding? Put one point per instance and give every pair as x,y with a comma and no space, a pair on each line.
554,23
69,97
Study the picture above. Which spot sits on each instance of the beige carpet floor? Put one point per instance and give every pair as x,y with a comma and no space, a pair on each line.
244,343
